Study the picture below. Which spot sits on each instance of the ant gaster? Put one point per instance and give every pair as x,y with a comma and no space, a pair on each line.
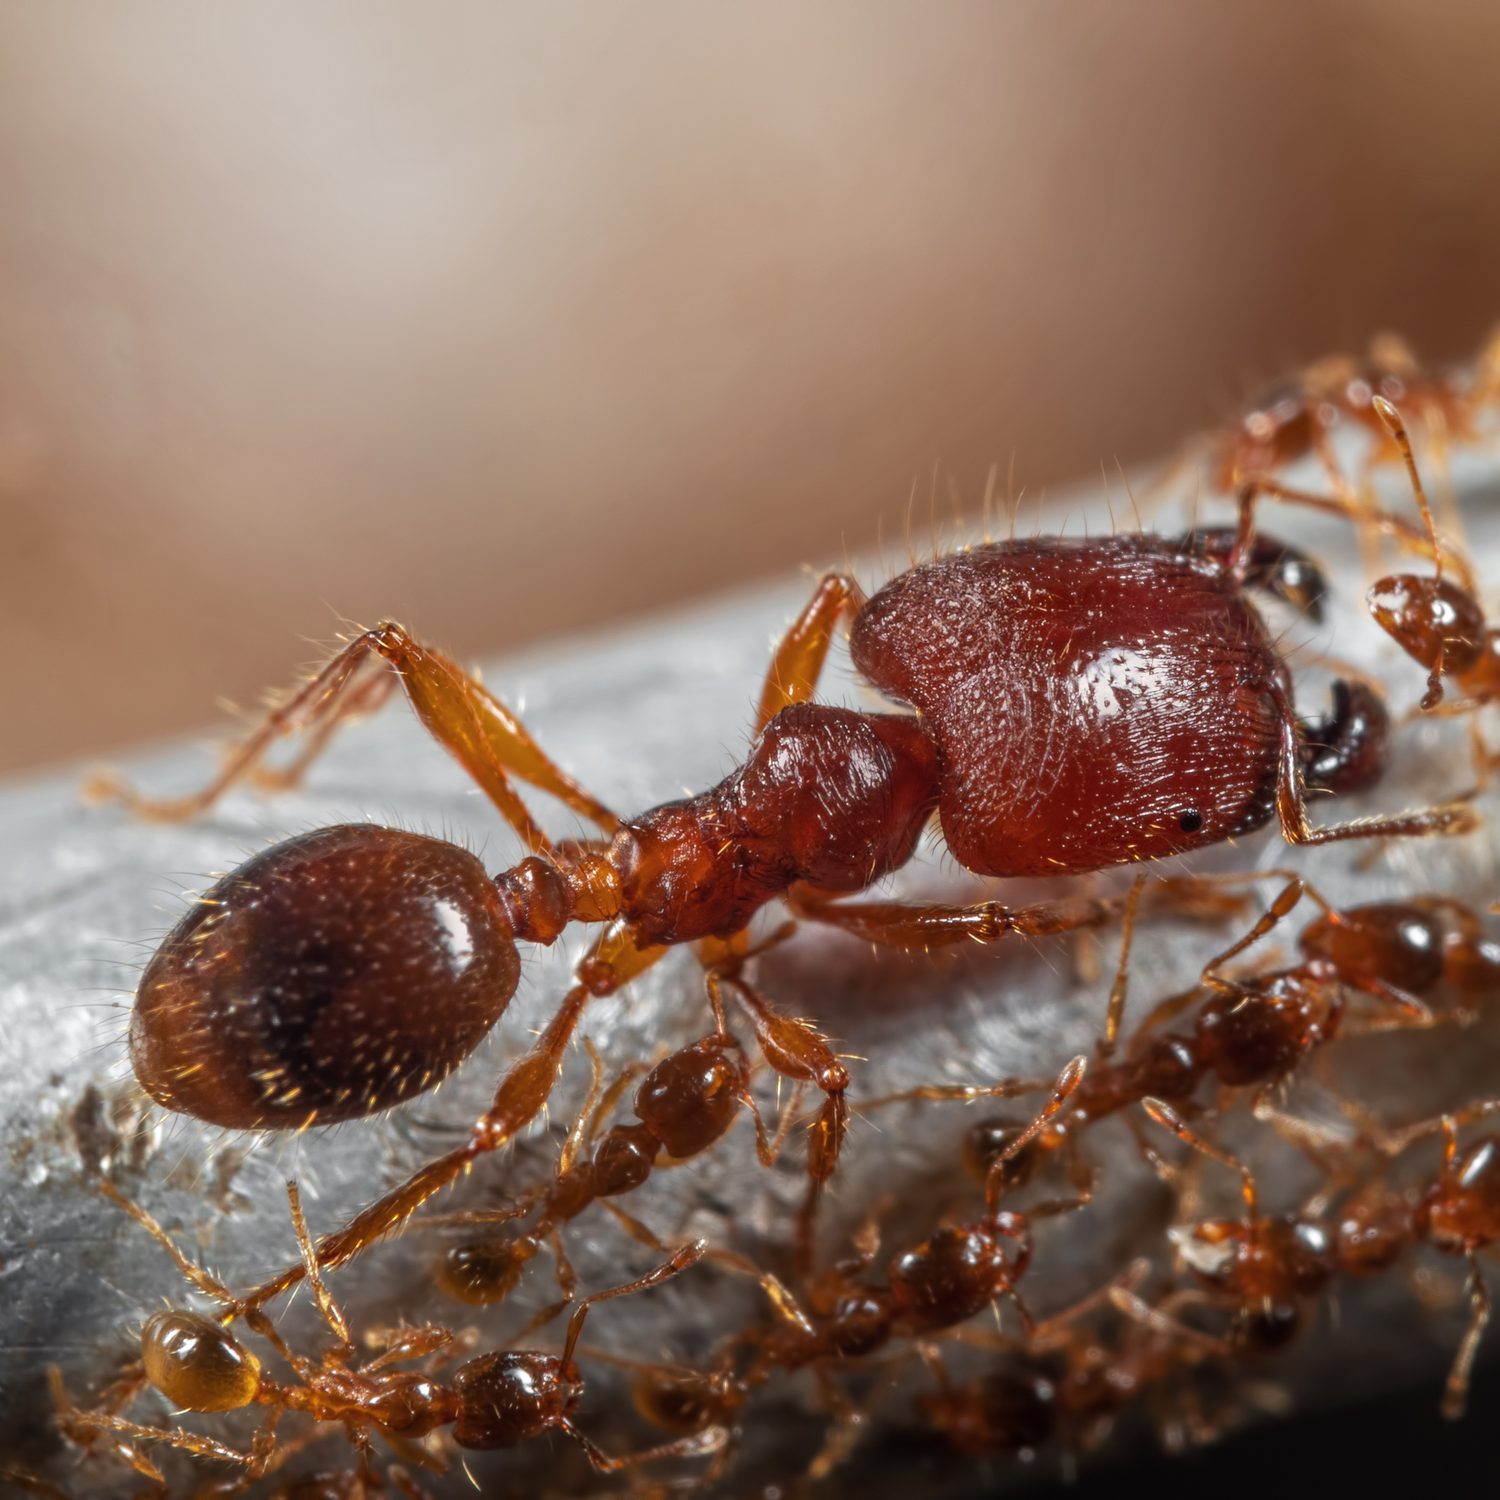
1079,704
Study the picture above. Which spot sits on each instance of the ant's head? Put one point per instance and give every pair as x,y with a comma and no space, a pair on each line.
1437,623
506,1398
329,977
690,1098
197,1364
1390,942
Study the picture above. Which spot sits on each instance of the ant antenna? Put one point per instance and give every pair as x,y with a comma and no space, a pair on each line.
1167,1117
1391,419
1067,1082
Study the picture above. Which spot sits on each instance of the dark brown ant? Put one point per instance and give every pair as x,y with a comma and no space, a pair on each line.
1079,704
1066,1383
1272,1266
496,1400
958,1271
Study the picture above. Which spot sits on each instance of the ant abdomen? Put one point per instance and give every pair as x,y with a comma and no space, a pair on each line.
197,1364
506,1398
481,1272
332,976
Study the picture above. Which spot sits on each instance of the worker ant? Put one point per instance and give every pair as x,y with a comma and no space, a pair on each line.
1250,1031
494,1400
1272,1266
683,1105
1078,704
1299,417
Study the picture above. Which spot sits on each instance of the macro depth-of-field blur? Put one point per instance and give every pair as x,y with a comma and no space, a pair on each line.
509,320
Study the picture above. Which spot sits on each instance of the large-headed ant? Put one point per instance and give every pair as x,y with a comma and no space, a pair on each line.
1078,704
495,1400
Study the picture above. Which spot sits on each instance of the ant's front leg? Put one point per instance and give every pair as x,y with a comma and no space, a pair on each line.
798,659
474,726
1449,819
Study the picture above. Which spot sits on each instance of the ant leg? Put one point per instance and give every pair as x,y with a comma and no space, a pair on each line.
797,1050
896,925
321,1295
1062,1091
1115,1012
798,659
842,1437
1276,913
469,722
1449,819
176,1437
688,1255
961,1093
1167,1117
1456,1391
1410,536
613,961
694,1445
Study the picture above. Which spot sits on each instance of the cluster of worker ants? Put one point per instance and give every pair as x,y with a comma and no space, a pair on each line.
345,971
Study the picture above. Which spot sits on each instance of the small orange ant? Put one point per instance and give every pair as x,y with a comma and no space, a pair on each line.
495,1400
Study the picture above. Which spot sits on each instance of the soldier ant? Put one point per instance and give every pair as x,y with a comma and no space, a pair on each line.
495,1400
1078,704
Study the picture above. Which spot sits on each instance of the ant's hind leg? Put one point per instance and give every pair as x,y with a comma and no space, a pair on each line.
799,658
1456,1391
490,742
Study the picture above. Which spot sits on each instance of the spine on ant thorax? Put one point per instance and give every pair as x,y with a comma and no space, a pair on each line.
827,796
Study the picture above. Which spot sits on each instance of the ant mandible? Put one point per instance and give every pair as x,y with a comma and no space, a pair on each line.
1079,703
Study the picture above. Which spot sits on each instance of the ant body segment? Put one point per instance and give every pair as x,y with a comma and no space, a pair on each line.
1078,704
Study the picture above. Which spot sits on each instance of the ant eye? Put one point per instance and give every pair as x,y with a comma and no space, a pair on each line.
1190,821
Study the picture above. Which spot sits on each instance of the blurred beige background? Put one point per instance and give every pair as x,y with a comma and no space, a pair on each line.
511,319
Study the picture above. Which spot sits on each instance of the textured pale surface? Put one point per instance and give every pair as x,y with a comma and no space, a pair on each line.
638,717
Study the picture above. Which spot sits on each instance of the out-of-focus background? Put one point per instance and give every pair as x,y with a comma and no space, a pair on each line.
513,319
